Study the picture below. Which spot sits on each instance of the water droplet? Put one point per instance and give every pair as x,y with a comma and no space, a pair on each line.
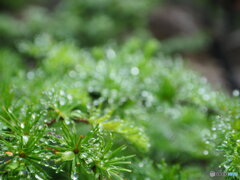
25,139
235,92
135,71
67,122
68,155
33,116
72,74
22,173
69,97
38,177
111,53
89,160
83,155
205,152
214,129
74,176
30,75
62,92
22,125
140,164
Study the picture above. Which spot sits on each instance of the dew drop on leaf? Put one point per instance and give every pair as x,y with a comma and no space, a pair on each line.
83,155
25,139
89,160
38,177
74,176
135,71
205,152
22,125
235,93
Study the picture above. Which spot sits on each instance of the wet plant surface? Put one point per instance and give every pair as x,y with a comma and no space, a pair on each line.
101,99
78,110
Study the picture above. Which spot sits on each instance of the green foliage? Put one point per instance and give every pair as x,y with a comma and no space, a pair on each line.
109,112
22,152
86,22
28,146
225,134
162,171
75,112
